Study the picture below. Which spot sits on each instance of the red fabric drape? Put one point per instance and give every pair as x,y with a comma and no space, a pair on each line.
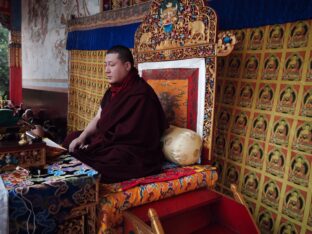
16,85
15,53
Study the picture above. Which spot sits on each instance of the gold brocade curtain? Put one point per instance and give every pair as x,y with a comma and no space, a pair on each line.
263,135
87,87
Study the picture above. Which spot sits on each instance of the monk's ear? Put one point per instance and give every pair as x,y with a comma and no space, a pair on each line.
128,66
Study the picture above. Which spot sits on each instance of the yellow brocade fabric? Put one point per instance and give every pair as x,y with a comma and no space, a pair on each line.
87,87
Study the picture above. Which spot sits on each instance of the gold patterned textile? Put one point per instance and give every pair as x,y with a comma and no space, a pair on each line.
174,30
86,88
263,134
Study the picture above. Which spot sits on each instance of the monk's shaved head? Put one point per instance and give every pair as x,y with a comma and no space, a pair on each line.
124,53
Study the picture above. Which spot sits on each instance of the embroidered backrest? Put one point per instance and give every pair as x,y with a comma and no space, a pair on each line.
175,49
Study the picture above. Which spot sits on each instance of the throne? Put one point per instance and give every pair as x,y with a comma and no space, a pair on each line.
176,49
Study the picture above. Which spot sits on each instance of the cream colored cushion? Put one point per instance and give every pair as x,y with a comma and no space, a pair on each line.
181,146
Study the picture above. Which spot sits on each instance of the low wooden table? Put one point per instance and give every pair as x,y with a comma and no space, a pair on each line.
30,155
62,199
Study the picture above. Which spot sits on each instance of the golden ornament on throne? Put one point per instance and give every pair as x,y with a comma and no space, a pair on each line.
226,40
168,15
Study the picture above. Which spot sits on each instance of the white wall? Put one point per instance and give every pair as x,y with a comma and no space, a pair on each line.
44,58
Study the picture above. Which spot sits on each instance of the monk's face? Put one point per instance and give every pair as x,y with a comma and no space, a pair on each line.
116,70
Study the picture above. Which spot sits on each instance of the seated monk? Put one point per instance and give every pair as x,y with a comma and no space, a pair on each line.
123,140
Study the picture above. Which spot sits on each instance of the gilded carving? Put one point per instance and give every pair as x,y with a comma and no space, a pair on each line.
226,43
176,29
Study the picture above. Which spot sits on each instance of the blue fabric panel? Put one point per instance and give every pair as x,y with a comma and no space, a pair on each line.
16,15
234,14
102,38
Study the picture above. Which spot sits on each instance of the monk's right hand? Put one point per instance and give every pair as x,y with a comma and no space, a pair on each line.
77,143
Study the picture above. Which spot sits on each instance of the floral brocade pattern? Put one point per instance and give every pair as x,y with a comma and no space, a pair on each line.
39,204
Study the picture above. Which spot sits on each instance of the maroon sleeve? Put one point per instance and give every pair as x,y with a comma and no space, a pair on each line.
106,98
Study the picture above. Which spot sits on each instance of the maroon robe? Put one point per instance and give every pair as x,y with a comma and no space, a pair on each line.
127,143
